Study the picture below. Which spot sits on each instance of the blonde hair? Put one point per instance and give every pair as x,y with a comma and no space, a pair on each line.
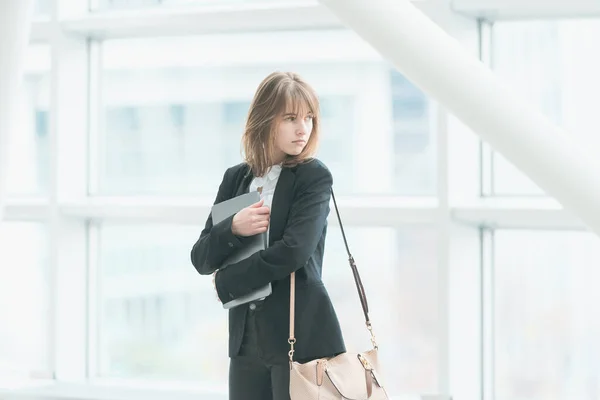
278,93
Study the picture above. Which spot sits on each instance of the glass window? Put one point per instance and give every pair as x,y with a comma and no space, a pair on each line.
151,296
28,141
174,111
398,268
414,142
546,323
42,7
24,297
553,64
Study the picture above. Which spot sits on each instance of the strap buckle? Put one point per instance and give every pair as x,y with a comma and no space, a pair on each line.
373,338
292,342
366,364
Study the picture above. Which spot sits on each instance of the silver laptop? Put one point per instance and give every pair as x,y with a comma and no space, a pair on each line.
252,244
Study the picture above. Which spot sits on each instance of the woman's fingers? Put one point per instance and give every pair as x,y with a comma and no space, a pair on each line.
262,211
261,227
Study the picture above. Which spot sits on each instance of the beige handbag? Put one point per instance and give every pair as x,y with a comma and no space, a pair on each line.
348,376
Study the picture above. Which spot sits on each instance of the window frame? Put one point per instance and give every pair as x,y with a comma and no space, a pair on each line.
463,210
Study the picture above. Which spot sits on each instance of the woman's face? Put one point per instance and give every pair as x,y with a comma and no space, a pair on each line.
293,132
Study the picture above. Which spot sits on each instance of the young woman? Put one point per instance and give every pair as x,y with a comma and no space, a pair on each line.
279,142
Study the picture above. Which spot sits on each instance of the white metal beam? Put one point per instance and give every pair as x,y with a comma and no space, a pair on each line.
203,19
438,64
495,10
517,213
26,209
15,23
68,242
367,211
200,19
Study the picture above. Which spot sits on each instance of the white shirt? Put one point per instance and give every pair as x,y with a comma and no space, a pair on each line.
267,183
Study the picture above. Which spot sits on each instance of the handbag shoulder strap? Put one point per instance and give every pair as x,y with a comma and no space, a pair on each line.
359,287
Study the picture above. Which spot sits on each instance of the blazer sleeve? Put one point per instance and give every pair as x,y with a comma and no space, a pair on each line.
307,219
216,242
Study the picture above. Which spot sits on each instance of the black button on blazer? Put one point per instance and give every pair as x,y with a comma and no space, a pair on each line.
297,233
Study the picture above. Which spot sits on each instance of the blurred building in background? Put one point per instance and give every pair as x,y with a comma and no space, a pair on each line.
479,284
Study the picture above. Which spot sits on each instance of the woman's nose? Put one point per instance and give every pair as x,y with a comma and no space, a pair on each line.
302,128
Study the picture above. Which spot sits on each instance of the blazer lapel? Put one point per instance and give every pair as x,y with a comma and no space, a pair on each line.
244,184
282,201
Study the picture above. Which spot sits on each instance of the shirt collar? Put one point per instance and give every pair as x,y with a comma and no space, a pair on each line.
274,172
271,175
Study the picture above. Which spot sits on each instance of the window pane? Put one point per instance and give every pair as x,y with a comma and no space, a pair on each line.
24,305
159,317
398,268
174,115
28,155
554,65
546,312
414,140
152,327
42,7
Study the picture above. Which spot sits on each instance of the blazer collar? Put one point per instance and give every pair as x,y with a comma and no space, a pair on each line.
244,184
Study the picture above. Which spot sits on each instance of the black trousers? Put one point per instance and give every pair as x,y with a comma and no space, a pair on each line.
254,375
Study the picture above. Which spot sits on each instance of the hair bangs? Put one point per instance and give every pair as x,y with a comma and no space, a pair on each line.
299,101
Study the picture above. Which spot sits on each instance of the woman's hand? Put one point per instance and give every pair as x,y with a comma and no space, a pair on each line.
251,220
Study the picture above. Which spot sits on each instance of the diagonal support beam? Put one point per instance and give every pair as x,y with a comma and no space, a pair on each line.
15,25
443,69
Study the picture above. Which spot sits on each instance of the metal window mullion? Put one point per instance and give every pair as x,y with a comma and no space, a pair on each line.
488,328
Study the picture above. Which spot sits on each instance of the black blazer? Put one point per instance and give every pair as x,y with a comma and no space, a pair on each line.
297,233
